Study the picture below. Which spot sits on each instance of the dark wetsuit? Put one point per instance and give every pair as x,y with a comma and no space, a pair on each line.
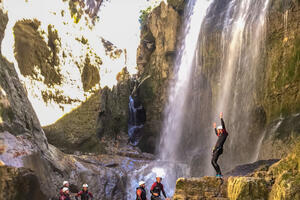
218,149
142,195
85,195
157,188
64,197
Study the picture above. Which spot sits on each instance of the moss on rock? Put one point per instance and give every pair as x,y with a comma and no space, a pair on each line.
90,76
247,188
76,131
33,54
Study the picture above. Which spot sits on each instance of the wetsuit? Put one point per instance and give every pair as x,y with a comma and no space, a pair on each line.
218,149
61,191
141,193
64,197
85,195
157,188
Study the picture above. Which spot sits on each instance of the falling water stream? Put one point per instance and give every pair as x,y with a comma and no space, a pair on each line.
195,99
167,165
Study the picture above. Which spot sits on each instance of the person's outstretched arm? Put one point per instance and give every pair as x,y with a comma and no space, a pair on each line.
215,127
163,191
78,194
91,195
222,121
152,188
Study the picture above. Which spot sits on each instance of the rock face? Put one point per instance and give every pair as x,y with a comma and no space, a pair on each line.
19,184
17,114
155,59
34,169
204,188
155,54
281,87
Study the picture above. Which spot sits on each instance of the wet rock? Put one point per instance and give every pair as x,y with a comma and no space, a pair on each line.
113,108
247,169
19,184
158,38
200,188
247,188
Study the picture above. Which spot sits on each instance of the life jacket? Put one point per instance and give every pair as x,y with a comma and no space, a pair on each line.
64,197
85,195
143,195
157,188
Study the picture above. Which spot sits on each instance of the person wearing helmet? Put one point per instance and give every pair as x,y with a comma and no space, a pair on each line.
65,184
222,134
84,194
141,192
157,188
65,195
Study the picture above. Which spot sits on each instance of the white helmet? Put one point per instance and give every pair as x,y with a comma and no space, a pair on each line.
141,183
219,127
65,189
85,185
65,182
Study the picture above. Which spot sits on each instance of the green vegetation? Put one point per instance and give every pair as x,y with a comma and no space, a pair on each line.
144,15
77,129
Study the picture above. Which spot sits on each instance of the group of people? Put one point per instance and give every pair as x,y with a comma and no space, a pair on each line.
84,194
156,190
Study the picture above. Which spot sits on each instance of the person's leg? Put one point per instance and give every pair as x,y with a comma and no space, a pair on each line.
214,161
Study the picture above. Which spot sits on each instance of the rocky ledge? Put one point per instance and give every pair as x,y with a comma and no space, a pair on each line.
278,181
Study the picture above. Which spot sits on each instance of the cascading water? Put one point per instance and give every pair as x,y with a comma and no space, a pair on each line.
217,69
242,40
168,166
184,64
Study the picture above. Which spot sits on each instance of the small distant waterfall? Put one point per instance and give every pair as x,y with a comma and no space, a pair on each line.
137,118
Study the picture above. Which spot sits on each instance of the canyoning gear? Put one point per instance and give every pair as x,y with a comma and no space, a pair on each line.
65,183
85,185
219,127
218,148
157,188
84,195
214,160
221,136
65,197
141,193
219,176
141,183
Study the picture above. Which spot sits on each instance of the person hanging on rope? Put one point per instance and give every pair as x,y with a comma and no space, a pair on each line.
222,134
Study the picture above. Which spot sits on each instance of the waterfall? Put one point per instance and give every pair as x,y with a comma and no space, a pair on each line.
178,91
218,68
168,165
242,40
